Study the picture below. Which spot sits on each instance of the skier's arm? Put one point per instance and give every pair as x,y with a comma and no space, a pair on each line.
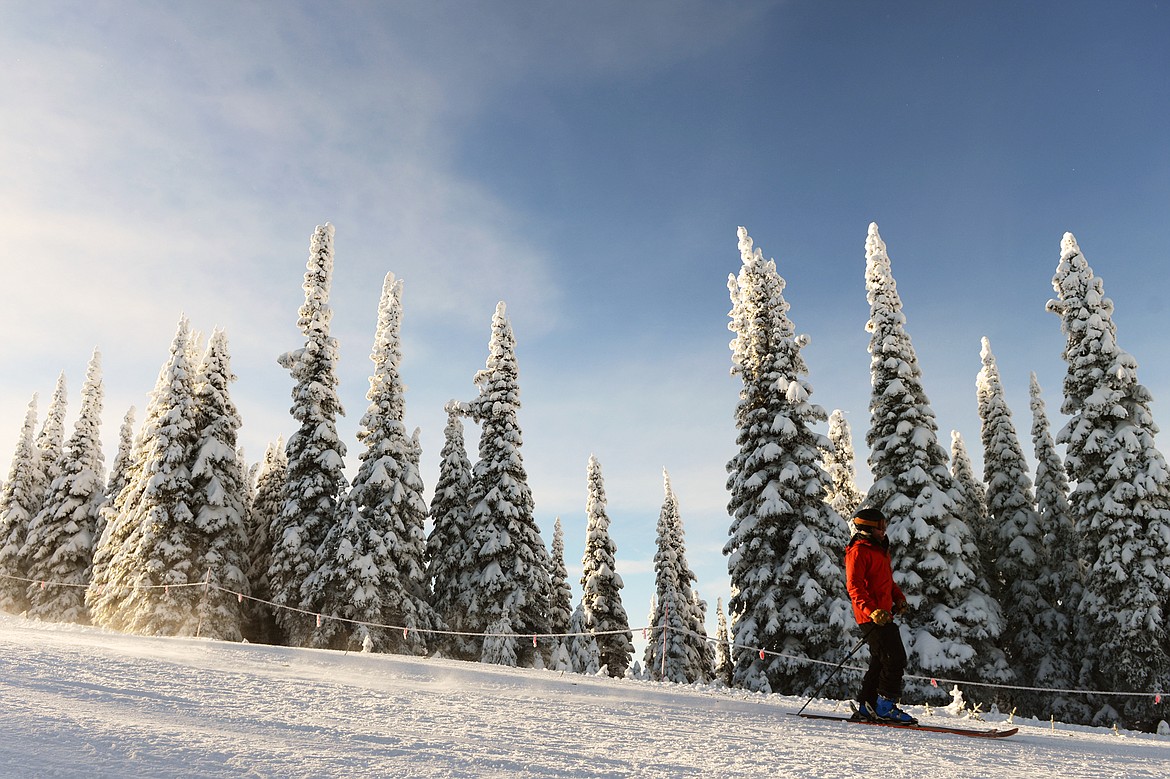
857,581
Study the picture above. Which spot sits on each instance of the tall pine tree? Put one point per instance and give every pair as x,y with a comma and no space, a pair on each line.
510,580
51,438
259,619
20,498
1059,581
448,545
219,499
601,586
372,567
59,546
560,602
119,471
1121,503
843,495
787,543
316,482
678,650
1017,537
146,577
972,500
954,621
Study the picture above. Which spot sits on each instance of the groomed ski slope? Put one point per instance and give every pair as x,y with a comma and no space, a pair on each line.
84,702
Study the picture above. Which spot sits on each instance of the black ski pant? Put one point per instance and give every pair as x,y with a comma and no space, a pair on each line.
887,662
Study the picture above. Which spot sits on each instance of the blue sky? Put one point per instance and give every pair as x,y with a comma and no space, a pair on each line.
588,164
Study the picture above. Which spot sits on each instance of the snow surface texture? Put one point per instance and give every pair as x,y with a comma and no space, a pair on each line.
80,701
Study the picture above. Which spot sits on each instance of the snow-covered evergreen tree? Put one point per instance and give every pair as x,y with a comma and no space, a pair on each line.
219,497
972,501
509,561
678,650
787,543
1121,503
1059,581
723,656
601,586
584,656
1017,537
146,576
560,602
20,498
119,471
954,620
372,567
51,438
316,482
59,545
500,645
267,501
448,544
843,495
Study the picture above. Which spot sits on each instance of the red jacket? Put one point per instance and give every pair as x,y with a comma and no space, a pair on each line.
869,579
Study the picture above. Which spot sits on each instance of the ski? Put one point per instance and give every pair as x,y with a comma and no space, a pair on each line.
970,732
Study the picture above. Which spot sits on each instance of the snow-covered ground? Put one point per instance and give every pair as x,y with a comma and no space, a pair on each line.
81,702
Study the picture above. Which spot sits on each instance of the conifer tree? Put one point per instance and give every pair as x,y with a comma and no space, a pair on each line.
19,499
723,661
219,497
146,577
560,605
1017,538
448,544
678,651
372,567
59,545
267,501
509,561
1121,504
584,655
119,472
560,602
954,620
1059,581
843,495
316,483
972,501
51,438
786,545
601,586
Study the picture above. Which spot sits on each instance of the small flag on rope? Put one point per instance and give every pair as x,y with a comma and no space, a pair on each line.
761,654
318,620
534,640
239,597
645,632
934,682
404,630
1158,698
42,585
166,589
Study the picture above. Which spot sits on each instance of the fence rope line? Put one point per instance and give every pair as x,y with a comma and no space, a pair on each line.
648,628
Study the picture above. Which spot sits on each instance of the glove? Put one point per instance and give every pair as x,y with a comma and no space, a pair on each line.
901,607
880,616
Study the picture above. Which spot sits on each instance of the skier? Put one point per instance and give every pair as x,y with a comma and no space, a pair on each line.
876,600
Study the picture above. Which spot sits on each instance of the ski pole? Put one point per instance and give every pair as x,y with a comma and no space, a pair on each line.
840,665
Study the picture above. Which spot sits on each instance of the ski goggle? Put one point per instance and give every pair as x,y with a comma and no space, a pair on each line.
876,524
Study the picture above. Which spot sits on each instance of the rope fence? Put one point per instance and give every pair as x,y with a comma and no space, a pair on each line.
647,633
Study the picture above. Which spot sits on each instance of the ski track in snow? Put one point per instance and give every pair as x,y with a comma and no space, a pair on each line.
86,702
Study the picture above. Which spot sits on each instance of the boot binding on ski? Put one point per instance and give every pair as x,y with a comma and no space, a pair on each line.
862,712
887,711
